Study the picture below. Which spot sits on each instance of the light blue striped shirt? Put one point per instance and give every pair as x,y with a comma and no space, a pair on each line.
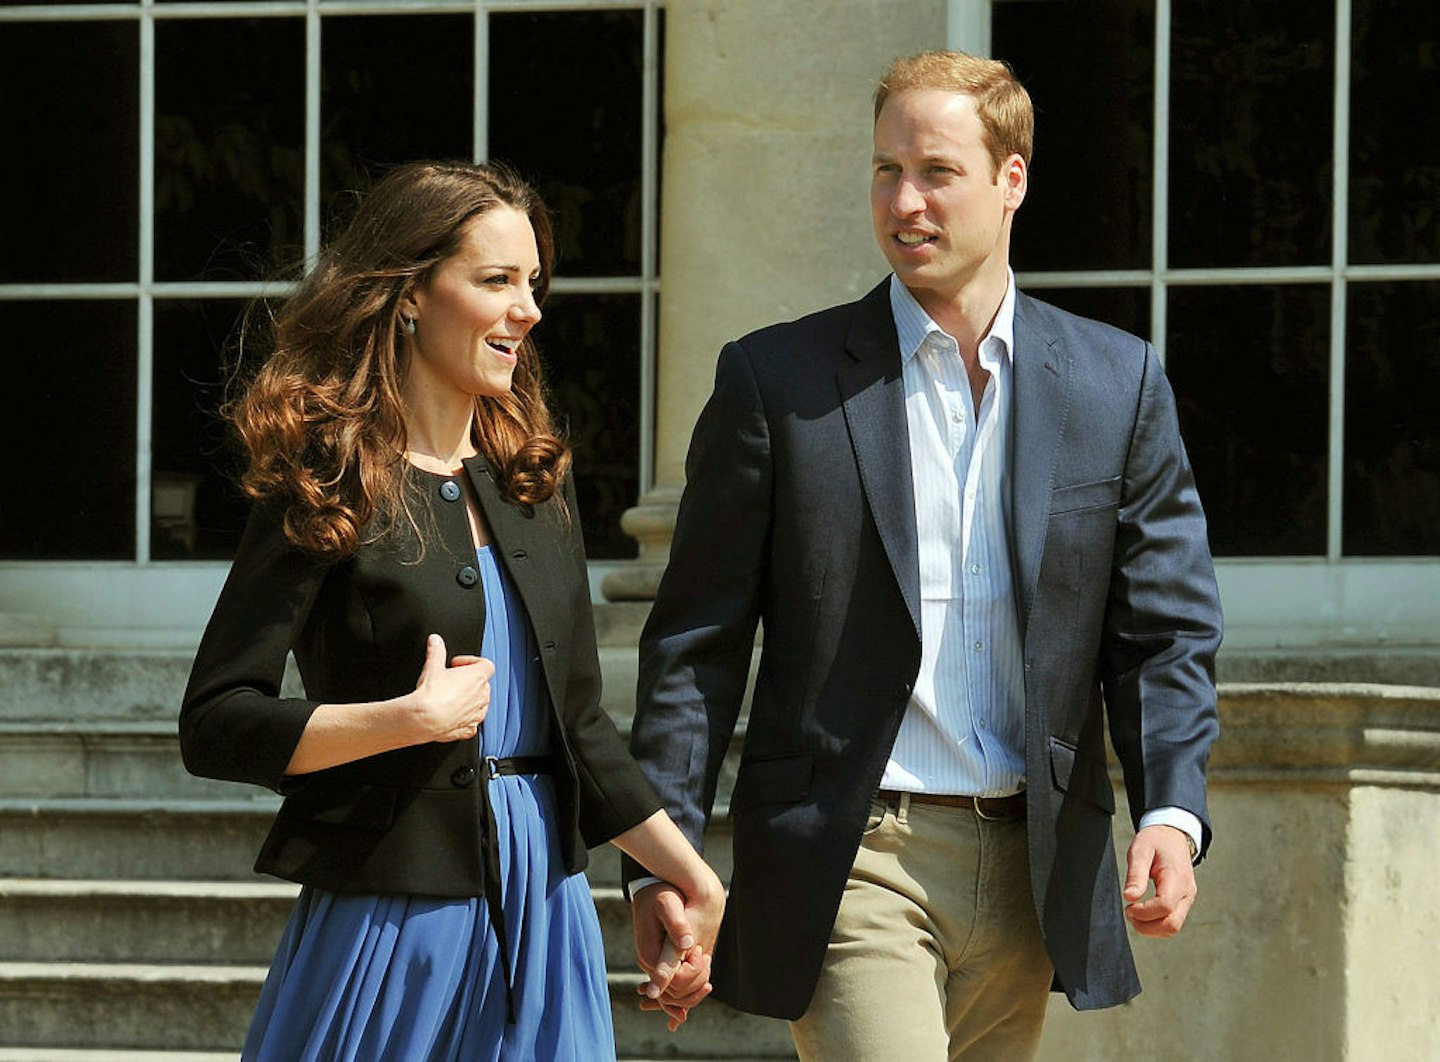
964,730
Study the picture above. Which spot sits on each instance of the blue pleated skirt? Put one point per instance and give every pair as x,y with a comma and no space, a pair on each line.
418,978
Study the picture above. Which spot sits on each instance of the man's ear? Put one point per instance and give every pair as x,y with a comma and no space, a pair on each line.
1015,175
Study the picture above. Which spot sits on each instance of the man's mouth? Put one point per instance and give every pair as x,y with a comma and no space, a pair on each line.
914,239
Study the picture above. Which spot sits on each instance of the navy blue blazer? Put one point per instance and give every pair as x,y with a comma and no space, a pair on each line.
410,820
799,514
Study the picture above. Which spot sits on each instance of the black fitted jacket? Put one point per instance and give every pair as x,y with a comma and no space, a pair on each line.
410,820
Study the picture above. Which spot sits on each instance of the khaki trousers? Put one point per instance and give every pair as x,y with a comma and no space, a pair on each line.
936,953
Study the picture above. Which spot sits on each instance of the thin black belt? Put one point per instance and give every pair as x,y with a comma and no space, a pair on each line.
994,808
495,766
498,765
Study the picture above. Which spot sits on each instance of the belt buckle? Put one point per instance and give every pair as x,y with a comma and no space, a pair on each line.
980,810
492,766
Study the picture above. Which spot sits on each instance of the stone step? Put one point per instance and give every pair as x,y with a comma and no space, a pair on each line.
100,758
147,685
121,1007
108,839
188,922
204,922
111,1055
141,760
127,1006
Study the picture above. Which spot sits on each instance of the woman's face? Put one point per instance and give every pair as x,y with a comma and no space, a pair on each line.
475,307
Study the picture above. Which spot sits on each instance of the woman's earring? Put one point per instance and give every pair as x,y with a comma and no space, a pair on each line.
407,325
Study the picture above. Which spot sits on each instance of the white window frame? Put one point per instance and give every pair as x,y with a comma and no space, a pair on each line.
1274,602
144,602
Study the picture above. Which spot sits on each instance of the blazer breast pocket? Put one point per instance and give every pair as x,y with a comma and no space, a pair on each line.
1081,497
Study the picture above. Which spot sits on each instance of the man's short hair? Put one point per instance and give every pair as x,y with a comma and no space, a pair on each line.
1001,102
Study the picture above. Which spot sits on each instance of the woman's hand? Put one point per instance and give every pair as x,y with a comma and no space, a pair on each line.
451,701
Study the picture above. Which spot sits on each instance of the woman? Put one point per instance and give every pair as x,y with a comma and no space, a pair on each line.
412,500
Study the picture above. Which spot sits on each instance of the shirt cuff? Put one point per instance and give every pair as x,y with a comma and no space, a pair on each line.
1177,817
643,883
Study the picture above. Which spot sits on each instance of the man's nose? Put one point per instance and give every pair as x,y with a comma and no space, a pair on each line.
907,199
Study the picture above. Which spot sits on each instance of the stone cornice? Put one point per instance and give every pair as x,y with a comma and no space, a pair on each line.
1328,733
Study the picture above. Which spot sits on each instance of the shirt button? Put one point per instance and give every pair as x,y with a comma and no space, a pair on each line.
450,490
959,417
463,776
467,577
974,569
979,647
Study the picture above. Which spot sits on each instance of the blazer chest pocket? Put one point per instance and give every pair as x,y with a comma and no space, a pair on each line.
777,780
1101,494
1075,772
339,803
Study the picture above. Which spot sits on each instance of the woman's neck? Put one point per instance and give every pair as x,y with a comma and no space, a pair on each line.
439,439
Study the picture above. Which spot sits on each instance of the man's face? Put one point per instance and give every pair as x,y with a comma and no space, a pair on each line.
941,213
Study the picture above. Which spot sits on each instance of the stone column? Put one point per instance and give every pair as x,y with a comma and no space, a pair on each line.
765,215
1315,928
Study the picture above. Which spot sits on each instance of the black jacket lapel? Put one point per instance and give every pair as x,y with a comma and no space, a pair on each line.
872,391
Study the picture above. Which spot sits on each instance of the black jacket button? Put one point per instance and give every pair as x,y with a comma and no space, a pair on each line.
463,776
467,577
450,490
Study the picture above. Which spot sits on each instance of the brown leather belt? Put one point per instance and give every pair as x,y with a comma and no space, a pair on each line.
991,808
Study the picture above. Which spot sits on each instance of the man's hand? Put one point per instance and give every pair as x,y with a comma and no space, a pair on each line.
1160,854
674,955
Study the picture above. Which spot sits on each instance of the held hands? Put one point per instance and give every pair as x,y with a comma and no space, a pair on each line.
451,702
674,938
1160,854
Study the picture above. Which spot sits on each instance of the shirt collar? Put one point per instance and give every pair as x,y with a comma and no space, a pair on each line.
913,325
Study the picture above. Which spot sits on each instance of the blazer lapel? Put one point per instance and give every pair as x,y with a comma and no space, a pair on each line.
1038,411
872,391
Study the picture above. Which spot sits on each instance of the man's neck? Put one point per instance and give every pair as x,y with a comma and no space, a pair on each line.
968,313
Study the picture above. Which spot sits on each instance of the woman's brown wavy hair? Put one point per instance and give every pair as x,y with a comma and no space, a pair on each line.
322,421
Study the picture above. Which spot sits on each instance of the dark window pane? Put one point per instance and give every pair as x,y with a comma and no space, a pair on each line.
70,123
1089,203
70,381
1250,372
1251,127
375,72
196,510
591,348
1127,308
1394,135
565,103
229,147
1392,432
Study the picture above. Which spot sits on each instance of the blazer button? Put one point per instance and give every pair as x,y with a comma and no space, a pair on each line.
467,577
463,776
450,490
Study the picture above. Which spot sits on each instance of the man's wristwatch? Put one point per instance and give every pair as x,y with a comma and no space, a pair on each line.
1190,842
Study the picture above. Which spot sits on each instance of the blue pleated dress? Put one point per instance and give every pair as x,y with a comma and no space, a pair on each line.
363,978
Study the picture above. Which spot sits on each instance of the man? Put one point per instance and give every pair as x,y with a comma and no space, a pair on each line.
966,521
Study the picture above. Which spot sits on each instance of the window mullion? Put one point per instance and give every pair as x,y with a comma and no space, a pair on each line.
145,310
480,118
649,238
312,132
1340,251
